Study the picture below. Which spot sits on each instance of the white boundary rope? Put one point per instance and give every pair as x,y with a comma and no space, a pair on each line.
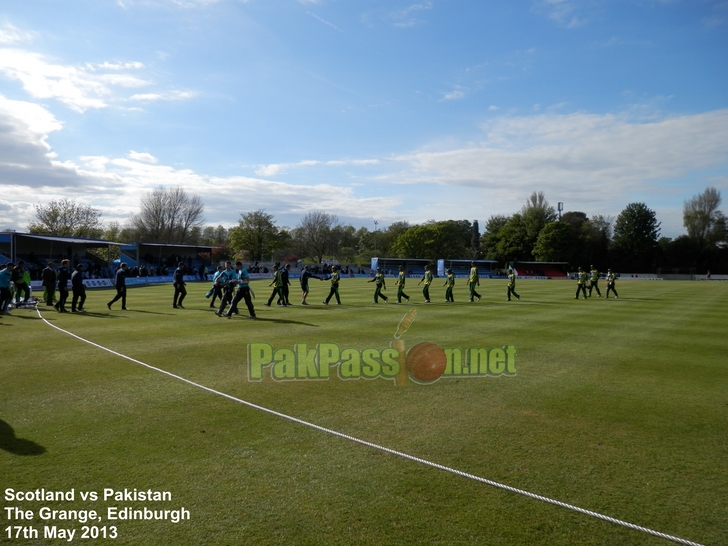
386,449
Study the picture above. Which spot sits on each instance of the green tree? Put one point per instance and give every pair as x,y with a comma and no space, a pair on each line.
475,240
433,240
492,237
67,218
313,236
557,242
636,231
515,240
257,233
215,236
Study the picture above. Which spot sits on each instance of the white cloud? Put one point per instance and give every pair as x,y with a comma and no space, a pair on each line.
596,161
456,94
126,65
144,157
167,95
79,87
43,80
10,34
275,169
30,173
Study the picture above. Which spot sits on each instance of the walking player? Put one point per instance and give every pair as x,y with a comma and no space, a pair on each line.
63,277
120,286
611,277
226,281
594,282
179,286
242,293
79,290
400,285
381,285
215,291
285,283
277,285
49,284
335,277
450,283
427,279
512,285
580,283
473,281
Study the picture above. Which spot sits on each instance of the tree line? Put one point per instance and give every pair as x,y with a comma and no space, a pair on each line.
629,242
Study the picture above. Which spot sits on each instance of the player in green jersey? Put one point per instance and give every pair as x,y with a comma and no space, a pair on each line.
512,285
427,279
277,285
473,281
400,285
611,277
580,283
594,282
450,283
381,285
334,277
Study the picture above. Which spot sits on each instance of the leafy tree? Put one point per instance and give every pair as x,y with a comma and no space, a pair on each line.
636,231
706,224
313,235
557,242
214,236
257,233
344,242
167,216
492,237
67,218
448,239
475,240
538,202
515,240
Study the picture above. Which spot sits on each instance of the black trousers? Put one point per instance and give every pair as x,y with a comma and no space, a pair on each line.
242,293
79,297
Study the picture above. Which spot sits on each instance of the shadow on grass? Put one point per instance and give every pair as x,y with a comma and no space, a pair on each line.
142,311
50,318
17,446
281,321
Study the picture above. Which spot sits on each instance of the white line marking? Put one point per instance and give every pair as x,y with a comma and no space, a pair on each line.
386,449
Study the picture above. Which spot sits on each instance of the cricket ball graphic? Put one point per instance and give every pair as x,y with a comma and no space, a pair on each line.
426,361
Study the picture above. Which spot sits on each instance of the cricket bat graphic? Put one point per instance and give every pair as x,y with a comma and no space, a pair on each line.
398,345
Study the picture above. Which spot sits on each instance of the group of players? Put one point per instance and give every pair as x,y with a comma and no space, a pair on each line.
227,279
15,281
232,284
593,278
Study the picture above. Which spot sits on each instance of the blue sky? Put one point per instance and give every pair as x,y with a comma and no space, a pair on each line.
368,109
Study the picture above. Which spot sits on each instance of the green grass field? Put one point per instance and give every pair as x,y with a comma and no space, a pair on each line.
618,406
